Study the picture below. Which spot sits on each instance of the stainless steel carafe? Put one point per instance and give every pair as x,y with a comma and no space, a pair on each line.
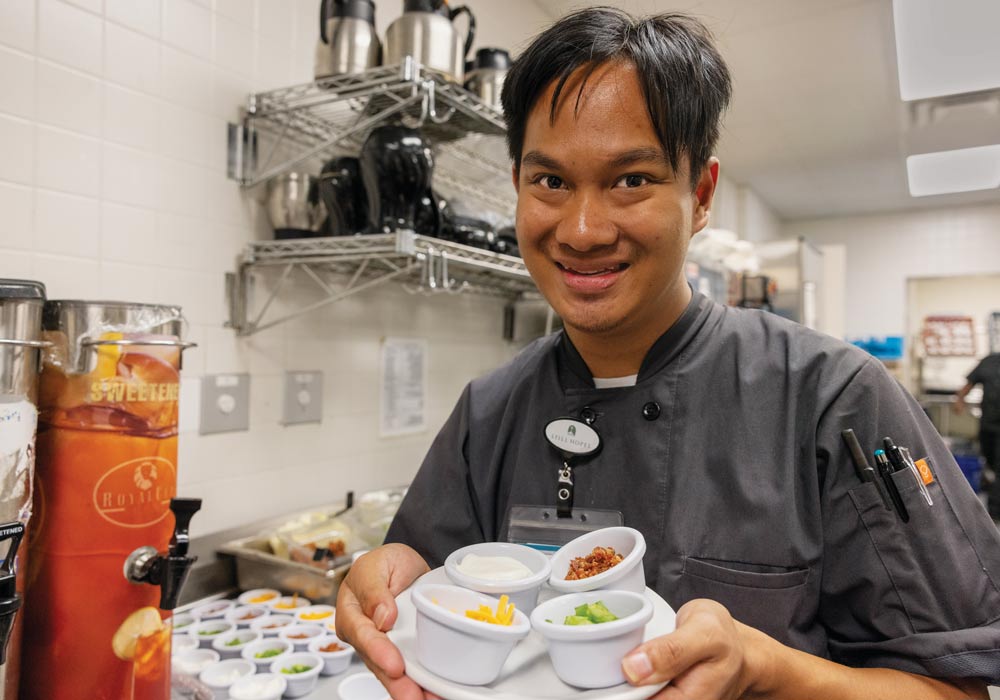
347,40
426,32
21,305
485,75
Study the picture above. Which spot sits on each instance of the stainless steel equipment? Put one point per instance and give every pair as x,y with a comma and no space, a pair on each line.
294,207
485,75
20,345
348,43
426,32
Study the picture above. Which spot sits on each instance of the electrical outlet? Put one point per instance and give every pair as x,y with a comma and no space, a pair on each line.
303,398
225,403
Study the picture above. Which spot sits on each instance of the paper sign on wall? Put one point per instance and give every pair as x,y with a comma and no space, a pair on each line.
403,386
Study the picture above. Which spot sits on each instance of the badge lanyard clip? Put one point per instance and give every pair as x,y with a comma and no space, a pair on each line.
573,440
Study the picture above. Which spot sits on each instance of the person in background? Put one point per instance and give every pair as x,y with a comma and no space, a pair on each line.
987,373
721,427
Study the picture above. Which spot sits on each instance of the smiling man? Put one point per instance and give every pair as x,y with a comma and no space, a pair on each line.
720,428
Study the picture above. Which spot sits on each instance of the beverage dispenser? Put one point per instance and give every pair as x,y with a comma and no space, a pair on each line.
20,345
106,521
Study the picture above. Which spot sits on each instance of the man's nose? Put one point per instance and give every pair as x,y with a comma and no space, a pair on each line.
586,223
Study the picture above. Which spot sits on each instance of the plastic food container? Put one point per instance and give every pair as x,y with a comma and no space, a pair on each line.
231,644
288,604
182,623
334,662
263,686
590,656
252,650
362,686
272,624
208,630
193,662
258,596
628,575
211,611
445,634
300,635
243,615
299,683
220,676
181,643
316,614
523,592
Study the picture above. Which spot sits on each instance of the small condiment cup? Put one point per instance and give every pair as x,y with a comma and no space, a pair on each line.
445,634
628,575
300,635
251,650
206,631
272,624
334,662
523,592
258,596
288,604
182,623
243,615
315,614
181,643
362,686
220,676
299,684
590,656
191,663
211,611
231,644
263,686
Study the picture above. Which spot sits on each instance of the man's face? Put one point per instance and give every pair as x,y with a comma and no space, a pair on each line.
603,222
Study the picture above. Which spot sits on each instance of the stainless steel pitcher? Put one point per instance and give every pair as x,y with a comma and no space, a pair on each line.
426,32
347,40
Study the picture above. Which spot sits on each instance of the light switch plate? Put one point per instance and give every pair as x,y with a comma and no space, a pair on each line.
225,403
303,398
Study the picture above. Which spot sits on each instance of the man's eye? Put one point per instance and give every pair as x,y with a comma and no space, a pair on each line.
551,182
634,180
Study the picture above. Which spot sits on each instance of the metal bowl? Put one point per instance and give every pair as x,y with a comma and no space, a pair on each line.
294,207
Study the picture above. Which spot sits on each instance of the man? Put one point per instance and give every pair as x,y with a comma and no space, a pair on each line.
987,373
721,427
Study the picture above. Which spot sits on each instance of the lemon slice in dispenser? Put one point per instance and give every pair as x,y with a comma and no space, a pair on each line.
141,623
108,356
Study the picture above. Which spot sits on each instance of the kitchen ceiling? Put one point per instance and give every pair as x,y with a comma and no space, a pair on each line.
816,127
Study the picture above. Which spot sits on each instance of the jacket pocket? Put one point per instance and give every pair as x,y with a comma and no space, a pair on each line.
765,597
928,558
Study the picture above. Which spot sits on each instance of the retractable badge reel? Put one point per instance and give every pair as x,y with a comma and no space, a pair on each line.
574,441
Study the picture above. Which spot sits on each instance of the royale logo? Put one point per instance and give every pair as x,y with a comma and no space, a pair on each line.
136,493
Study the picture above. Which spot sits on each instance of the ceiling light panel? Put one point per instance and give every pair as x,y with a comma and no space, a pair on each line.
946,47
963,170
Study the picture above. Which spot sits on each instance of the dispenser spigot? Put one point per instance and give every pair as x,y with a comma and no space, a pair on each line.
10,600
169,569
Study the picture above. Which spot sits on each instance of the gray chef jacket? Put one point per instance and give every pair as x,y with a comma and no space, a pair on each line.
727,455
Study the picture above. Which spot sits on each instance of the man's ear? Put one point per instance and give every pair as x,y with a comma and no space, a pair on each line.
704,192
515,176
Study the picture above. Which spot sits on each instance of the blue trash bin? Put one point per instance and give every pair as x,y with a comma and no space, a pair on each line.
972,468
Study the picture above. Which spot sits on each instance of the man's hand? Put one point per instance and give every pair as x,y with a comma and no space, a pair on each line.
366,609
709,656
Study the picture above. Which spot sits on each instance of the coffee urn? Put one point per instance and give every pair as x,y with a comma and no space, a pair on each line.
21,304
347,43
106,521
426,32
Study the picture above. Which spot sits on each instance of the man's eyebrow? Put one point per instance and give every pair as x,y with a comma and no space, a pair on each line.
639,155
539,159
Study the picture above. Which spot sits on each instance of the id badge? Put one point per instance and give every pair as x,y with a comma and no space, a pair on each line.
540,527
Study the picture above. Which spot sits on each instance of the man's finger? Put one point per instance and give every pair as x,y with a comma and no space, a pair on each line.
369,581
664,658
355,628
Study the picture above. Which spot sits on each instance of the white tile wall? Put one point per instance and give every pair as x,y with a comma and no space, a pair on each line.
113,185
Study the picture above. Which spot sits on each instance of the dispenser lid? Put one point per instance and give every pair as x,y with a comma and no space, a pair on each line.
358,9
489,57
21,289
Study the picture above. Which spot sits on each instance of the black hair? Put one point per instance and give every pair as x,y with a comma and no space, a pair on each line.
683,77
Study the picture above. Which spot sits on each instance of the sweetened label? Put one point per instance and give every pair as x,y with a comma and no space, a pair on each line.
136,493
118,392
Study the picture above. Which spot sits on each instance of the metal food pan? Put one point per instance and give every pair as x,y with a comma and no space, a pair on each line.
257,567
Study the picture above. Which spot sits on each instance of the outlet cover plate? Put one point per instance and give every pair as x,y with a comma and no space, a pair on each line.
225,403
303,401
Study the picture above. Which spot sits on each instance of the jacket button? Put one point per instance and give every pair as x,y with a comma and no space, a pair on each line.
587,415
651,411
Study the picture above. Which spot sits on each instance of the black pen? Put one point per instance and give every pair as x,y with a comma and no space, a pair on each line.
861,466
885,471
894,456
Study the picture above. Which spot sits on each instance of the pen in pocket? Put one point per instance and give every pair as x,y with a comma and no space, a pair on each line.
885,471
861,466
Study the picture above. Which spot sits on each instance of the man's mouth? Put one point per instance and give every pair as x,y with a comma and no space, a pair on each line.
591,278
591,271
